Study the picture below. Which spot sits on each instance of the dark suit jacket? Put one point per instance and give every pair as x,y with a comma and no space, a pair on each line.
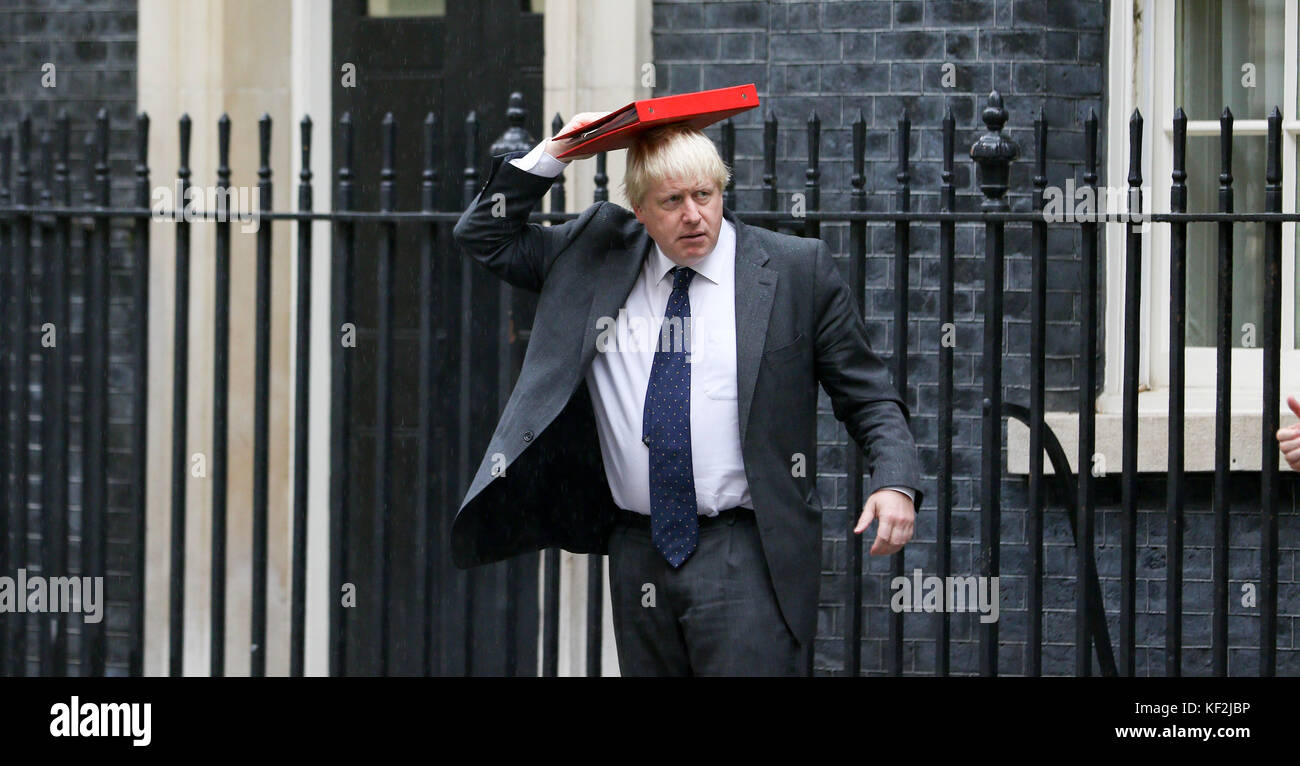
796,326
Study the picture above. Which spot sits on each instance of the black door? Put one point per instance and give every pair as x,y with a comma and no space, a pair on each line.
447,58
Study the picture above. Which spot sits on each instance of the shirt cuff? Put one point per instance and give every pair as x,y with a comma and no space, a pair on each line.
905,490
539,163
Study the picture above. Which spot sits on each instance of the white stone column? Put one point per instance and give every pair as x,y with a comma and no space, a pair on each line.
205,58
312,91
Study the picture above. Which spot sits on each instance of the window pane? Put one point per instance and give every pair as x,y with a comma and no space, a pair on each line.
1203,240
406,8
1216,39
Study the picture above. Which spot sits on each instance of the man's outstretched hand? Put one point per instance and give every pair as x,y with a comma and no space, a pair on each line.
1289,438
556,148
897,518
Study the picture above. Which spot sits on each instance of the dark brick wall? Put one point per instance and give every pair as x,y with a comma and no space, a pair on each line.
93,47
879,58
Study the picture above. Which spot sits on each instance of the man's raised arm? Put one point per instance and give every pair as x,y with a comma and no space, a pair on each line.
494,229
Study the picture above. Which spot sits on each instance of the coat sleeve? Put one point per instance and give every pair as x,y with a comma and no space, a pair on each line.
494,229
862,394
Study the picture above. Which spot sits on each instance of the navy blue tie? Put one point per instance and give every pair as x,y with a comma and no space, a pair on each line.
666,430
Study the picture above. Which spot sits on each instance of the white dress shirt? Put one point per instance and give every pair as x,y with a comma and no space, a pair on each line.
620,373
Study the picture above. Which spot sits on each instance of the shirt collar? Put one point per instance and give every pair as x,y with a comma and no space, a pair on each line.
712,267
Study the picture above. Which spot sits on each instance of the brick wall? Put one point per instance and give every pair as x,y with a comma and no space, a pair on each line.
93,50
879,58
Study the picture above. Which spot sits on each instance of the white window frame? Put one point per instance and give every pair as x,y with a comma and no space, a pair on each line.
1141,76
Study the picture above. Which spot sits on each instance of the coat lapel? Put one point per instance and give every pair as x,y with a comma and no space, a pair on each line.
755,290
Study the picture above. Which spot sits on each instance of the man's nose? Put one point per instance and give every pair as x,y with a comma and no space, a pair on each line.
692,211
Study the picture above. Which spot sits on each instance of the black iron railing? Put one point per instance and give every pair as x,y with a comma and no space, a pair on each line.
40,228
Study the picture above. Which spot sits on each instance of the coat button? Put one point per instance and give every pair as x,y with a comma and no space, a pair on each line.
528,436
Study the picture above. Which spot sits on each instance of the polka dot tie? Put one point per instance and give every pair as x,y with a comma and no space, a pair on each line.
666,430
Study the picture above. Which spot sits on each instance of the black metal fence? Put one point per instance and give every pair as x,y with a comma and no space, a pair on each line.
43,228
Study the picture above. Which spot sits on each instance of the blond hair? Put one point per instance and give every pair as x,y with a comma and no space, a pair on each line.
679,152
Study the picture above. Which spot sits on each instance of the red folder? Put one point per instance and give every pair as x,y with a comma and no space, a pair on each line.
617,129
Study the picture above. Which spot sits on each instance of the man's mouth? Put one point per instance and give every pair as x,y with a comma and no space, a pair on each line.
694,236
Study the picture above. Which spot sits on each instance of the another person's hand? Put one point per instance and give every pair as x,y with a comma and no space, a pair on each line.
556,148
1289,437
897,518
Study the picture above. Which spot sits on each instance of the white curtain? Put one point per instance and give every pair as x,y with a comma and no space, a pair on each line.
1222,45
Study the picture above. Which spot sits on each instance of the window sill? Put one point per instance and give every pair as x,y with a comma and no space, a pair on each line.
1153,434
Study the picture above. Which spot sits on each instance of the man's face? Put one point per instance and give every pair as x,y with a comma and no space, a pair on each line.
683,218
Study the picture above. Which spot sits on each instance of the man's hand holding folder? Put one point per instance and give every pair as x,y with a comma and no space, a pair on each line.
556,148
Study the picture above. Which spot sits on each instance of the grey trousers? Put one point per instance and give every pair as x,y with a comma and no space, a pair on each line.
716,615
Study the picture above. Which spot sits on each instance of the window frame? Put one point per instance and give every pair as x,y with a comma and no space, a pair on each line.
1141,75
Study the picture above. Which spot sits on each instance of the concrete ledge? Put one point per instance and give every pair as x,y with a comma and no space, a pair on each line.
1245,441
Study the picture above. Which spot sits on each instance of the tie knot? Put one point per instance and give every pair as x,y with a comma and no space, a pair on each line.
682,277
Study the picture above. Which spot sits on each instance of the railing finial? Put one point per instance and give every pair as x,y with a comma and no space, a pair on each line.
514,138
993,152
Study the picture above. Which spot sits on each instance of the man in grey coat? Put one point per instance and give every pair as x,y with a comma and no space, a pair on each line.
666,410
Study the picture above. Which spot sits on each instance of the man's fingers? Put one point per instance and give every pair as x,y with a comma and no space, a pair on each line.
886,537
868,516
885,530
1289,437
582,119
902,532
896,523
1290,445
883,548
578,121
896,534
